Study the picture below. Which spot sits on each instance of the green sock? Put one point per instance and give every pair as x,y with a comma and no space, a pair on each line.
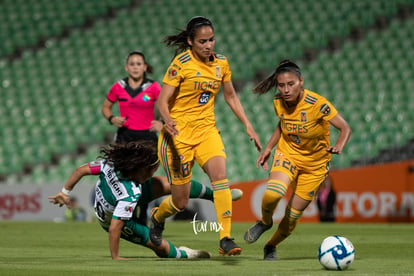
199,190
173,252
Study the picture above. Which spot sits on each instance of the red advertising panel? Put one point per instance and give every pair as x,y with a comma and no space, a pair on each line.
380,193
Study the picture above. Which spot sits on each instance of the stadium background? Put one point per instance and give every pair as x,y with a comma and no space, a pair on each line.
58,59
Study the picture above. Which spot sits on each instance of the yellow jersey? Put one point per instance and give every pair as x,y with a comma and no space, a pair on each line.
305,130
197,83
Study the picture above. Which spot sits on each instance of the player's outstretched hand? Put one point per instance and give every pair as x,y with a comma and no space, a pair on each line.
60,199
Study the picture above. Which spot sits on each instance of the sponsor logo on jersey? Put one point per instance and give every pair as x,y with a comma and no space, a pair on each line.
295,128
113,181
206,85
172,73
325,109
218,72
204,98
146,98
129,208
303,117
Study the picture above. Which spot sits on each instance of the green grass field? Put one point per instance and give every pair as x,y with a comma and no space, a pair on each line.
43,248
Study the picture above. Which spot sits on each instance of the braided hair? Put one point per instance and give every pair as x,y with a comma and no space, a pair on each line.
129,157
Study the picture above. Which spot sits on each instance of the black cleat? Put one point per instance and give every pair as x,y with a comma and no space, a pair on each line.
156,228
254,232
228,247
269,253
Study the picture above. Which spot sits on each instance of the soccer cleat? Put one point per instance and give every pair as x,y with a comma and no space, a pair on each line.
195,254
236,194
228,247
269,253
156,228
254,232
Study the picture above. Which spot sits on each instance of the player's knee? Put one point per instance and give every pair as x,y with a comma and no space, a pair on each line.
275,190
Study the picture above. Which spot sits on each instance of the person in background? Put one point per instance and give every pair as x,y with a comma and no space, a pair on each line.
326,200
76,212
186,105
136,96
303,153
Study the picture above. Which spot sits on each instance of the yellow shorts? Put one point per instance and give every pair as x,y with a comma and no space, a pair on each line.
305,181
178,158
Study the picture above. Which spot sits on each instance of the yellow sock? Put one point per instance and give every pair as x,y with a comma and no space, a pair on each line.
275,190
286,226
165,210
223,205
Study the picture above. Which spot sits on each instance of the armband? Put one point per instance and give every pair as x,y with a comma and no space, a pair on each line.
66,191
110,118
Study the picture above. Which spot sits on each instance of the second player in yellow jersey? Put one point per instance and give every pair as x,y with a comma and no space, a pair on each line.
303,152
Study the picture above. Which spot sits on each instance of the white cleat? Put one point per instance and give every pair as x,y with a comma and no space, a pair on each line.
194,253
236,194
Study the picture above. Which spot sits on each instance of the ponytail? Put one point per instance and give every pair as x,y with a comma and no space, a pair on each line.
180,40
284,66
265,85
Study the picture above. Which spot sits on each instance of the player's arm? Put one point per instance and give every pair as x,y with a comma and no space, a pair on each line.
156,124
62,198
114,236
167,91
344,133
233,101
264,156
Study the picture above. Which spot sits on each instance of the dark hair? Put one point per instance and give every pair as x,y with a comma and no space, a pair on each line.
180,40
284,66
130,157
150,69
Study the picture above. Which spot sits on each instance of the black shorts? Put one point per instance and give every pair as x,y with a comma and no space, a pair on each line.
125,135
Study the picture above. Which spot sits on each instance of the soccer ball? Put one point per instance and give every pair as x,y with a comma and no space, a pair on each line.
336,253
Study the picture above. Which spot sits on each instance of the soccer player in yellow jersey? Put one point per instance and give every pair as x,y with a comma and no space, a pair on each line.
186,104
303,152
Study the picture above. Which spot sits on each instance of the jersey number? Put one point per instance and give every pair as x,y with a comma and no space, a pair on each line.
185,171
99,211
